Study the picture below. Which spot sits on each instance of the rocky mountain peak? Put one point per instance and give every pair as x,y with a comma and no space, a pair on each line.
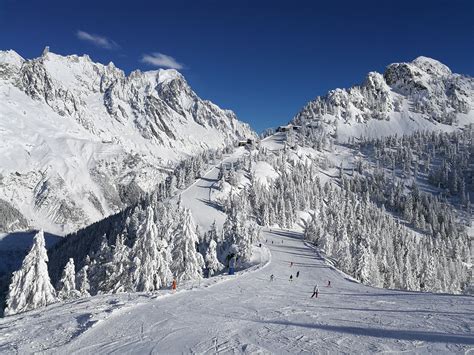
118,133
432,66
411,95
45,51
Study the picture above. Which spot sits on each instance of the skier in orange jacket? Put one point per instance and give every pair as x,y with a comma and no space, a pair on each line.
173,285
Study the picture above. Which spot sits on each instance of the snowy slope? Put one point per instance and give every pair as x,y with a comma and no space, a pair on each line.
200,197
252,315
421,95
248,313
80,140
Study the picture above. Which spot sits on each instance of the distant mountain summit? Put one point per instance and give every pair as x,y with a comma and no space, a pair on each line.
79,139
421,95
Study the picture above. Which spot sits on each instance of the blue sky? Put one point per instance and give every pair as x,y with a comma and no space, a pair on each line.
262,59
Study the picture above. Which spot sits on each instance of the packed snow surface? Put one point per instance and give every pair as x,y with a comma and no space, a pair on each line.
250,314
199,197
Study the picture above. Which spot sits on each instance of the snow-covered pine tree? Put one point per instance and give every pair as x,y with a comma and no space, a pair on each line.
82,281
164,269
67,284
187,261
212,263
363,263
100,267
31,286
120,277
147,257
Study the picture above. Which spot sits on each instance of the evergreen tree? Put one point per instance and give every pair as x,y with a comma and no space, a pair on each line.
82,281
67,284
212,263
120,279
187,261
147,257
31,286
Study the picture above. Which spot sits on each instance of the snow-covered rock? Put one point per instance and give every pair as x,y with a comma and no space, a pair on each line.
421,95
79,140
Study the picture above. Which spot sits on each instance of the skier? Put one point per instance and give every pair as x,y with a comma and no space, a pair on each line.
315,291
329,283
173,285
291,277
271,277
297,273
291,263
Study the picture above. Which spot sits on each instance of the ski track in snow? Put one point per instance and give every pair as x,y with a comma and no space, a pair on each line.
249,314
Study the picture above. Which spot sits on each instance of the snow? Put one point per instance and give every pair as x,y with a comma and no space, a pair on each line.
62,146
264,173
407,97
274,142
432,66
398,124
249,313
196,197
166,75
11,58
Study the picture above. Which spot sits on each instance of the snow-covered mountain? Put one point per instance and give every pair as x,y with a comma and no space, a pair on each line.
421,95
79,140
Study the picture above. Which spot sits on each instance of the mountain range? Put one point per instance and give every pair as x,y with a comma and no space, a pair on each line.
82,140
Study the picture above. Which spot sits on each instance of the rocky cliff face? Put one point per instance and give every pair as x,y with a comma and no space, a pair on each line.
79,139
423,94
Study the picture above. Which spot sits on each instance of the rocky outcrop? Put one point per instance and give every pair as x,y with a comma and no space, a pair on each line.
424,89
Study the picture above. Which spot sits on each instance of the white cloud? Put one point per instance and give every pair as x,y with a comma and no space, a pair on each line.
99,41
161,60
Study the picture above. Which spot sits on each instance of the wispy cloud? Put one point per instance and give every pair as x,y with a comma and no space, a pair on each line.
161,60
99,41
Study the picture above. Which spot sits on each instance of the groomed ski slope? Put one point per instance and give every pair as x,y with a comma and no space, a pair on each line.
248,313
251,314
199,197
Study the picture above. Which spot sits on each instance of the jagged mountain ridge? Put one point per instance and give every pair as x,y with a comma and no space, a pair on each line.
80,140
421,95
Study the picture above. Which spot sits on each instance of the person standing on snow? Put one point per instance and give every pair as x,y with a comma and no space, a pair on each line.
315,291
271,277
173,285
329,283
291,277
297,273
